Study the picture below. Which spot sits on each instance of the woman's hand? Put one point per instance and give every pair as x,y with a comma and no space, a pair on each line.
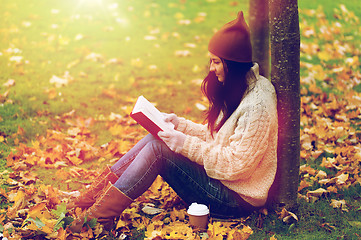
171,117
173,139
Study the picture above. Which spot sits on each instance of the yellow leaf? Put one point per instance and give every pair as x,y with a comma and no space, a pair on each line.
303,184
247,229
19,204
63,40
199,19
147,13
177,214
122,223
273,237
332,189
355,224
178,16
61,234
41,213
244,233
157,185
313,88
308,31
74,160
117,130
217,230
52,93
323,55
137,62
153,235
73,63
352,61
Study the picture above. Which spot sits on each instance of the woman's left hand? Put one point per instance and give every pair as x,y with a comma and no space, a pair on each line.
171,117
173,139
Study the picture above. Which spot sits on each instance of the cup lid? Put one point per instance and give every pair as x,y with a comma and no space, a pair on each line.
196,209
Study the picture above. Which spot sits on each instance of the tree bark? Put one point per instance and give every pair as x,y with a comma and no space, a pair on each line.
259,27
285,76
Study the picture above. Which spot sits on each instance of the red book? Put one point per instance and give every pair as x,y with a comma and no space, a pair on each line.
149,117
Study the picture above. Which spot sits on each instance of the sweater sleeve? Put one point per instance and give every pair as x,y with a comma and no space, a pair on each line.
193,129
238,158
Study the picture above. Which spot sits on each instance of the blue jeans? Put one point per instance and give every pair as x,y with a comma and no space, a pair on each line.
151,157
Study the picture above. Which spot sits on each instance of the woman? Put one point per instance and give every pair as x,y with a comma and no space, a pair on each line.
228,164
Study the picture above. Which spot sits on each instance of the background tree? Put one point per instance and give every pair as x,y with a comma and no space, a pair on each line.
285,75
259,26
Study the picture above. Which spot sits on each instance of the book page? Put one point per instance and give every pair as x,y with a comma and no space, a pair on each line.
148,109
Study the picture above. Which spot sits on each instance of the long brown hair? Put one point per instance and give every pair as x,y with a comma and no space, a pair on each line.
225,96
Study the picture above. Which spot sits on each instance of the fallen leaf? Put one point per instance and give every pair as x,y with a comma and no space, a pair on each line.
19,203
287,216
150,210
9,83
355,224
339,204
201,107
317,193
59,82
182,53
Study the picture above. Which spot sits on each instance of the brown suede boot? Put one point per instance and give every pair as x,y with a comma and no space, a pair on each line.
87,198
109,205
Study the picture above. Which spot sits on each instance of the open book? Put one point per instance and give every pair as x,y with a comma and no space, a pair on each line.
149,117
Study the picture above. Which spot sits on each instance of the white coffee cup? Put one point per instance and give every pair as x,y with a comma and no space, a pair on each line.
198,216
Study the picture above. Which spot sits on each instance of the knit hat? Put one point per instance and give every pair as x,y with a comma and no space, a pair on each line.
232,41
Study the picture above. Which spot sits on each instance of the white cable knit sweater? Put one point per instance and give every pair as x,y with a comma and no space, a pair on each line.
243,153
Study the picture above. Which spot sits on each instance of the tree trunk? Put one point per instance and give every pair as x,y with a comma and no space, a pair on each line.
259,27
285,75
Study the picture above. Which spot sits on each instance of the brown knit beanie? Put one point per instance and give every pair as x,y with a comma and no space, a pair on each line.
232,41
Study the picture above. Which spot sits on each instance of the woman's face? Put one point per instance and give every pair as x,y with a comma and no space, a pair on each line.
216,66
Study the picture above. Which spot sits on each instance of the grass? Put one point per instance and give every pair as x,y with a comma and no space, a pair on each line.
59,38
316,221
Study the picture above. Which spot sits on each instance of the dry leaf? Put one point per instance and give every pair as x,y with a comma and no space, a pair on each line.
182,53
9,83
273,237
59,82
287,217
150,210
339,204
201,107
317,193
95,57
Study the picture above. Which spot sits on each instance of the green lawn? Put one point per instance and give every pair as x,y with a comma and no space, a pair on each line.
107,53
